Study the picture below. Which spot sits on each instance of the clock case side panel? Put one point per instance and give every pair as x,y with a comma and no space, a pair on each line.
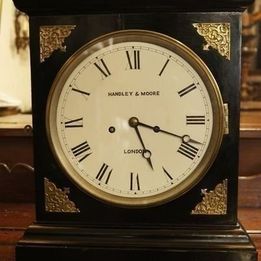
225,167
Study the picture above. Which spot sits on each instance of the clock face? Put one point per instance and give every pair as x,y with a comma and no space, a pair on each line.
135,118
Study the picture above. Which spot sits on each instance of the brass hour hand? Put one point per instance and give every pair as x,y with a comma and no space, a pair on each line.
133,122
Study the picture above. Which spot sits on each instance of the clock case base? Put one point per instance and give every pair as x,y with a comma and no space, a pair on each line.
90,243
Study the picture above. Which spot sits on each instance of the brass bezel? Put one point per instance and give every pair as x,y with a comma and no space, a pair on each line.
174,46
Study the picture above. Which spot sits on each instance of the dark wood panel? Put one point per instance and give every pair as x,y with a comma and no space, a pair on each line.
14,219
250,191
16,140
16,159
250,151
250,143
14,148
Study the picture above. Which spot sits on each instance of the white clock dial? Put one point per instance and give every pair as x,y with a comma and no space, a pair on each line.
135,118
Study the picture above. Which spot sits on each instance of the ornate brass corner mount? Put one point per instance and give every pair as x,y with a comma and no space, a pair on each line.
214,202
217,36
52,38
57,200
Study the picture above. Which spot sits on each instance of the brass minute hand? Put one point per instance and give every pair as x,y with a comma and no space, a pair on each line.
184,138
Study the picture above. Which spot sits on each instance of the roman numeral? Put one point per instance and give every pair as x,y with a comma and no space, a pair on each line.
104,173
134,59
188,150
163,68
77,123
81,151
167,174
195,120
80,91
102,67
134,182
187,89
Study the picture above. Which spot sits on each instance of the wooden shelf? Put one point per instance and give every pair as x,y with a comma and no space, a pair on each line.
16,125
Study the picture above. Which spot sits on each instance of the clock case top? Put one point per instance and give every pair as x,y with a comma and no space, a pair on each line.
43,7
90,25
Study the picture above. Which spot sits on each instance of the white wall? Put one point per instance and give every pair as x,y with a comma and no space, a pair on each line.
14,67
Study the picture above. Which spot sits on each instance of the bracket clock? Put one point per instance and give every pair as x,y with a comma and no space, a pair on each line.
136,122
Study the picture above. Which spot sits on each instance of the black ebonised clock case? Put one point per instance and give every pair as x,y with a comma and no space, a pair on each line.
227,75
157,233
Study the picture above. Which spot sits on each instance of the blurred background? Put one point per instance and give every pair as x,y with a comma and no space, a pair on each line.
14,59
251,58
